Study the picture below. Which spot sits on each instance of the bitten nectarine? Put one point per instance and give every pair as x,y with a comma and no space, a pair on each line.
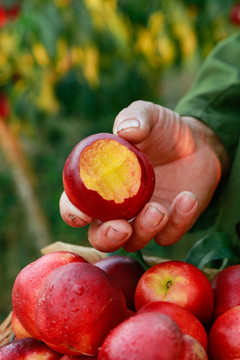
107,178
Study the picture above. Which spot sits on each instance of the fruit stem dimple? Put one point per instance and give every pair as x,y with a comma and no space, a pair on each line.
168,284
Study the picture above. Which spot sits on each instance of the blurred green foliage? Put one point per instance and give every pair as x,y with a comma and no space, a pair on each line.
67,67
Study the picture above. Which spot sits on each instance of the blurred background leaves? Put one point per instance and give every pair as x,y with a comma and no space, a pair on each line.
67,67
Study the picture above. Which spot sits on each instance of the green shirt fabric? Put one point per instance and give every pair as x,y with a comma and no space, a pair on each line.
214,98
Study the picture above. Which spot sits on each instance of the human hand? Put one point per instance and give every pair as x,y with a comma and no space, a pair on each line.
187,159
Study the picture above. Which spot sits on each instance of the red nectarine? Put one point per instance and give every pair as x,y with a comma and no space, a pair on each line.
180,283
19,331
146,336
186,321
107,178
28,348
226,288
224,336
77,305
193,350
28,282
126,272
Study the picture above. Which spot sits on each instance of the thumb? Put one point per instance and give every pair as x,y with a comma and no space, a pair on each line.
134,122
156,130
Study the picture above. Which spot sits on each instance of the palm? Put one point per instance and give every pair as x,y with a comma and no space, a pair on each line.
184,163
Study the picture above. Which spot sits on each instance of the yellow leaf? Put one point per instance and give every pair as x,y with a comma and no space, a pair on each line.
91,65
145,42
40,55
5,69
76,55
8,43
46,99
62,3
156,22
187,37
166,50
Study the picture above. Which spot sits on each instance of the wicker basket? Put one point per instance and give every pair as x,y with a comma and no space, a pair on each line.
6,332
91,255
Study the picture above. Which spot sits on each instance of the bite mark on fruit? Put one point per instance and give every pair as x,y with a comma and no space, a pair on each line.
111,169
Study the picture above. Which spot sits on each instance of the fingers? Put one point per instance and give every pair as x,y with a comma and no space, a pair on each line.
109,236
70,214
152,222
182,215
166,228
149,222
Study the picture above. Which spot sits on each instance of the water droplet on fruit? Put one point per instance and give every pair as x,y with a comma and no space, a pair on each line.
52,302
42,301
72,300
51,287
78,289
75,309
53,322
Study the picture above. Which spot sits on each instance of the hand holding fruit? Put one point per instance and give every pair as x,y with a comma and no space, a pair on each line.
180,150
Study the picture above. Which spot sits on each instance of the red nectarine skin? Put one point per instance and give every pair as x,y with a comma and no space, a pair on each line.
18,329
147,336
28,282
178,282
77,305
193,350
28,348
107,178
186,321
126,272
71,357
224,336
226,288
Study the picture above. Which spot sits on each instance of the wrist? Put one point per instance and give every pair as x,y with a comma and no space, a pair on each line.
205,133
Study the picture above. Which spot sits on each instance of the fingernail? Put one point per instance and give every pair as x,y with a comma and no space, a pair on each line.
115,235
152,217
128,124
186,203
75,220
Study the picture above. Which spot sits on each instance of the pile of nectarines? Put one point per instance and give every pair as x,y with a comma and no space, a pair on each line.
66,308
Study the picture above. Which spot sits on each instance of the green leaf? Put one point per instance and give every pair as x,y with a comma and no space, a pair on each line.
215,246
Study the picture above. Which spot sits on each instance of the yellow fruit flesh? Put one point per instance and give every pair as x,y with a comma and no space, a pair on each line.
111,169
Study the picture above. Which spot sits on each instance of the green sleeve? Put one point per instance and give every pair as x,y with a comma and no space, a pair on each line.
214,96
